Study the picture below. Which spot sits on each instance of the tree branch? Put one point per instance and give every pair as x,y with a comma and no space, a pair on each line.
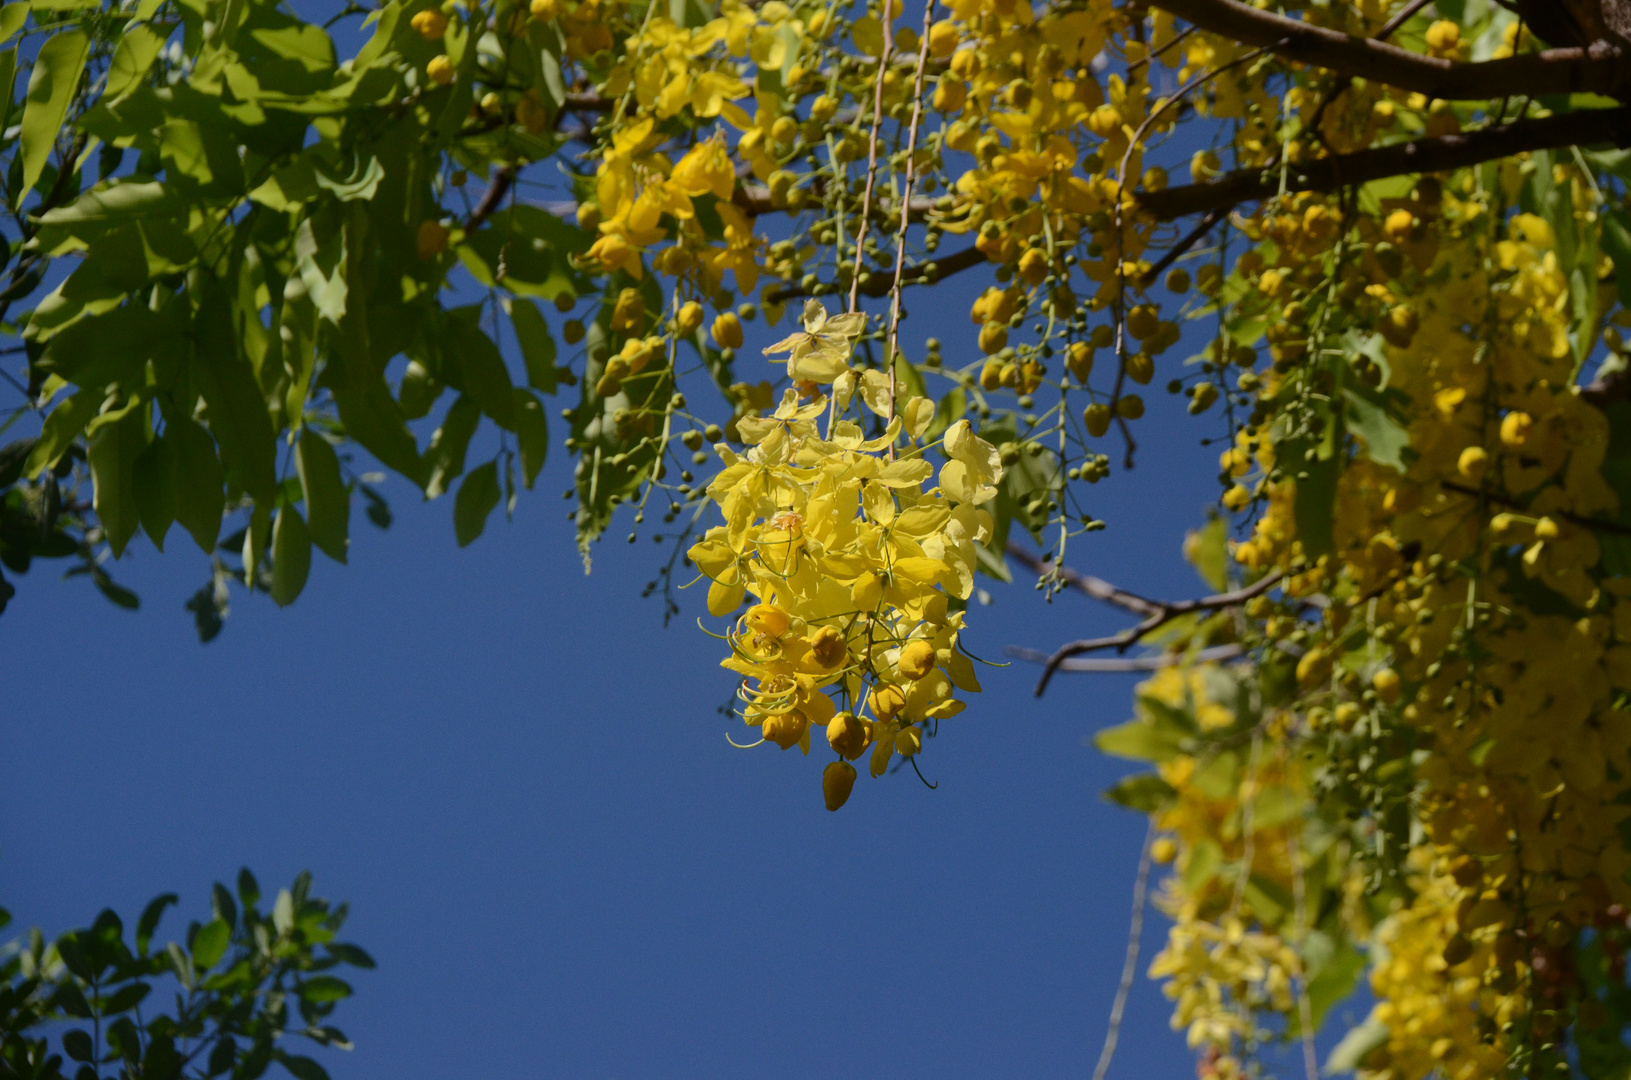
1133,663
1165,611
1506,500
952,264
1588,127
1597,69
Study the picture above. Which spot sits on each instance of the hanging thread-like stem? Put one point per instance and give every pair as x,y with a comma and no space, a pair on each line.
1129,966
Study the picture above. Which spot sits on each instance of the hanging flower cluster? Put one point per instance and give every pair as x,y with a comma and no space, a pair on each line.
856,571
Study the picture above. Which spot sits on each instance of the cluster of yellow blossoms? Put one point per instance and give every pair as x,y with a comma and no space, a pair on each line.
857,573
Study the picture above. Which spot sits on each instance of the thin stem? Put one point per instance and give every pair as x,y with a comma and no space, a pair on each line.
872,150
1129,966
905,210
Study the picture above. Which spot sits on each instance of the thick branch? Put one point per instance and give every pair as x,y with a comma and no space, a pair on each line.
1585,128
954,263
1598,69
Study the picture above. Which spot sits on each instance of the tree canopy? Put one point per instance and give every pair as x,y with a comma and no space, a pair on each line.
1394,740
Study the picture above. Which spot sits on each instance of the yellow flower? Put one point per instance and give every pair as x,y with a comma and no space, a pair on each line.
440,70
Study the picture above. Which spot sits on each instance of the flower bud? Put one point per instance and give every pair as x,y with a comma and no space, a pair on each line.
1386,684
837,781
916,659
849,735
727,331
1097,419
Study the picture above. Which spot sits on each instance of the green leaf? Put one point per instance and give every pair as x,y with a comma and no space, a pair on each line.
480,366
448,445
351,954
477,497
325,988
328,501
1201,865
303,1068
1370,418
371,416
1207,550
1146,793
531,433
1139,741
1315,507
198,481
131,60
236,408
1331,981
51,89
104,207
116,594
1616,240
537,345
155,480
12,18
1350,1053
112,453
210,945
291,556
62,426
149,921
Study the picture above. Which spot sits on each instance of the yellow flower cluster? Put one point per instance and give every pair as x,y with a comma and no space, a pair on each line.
856,570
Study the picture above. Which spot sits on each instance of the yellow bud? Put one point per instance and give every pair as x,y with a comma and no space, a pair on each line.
1143,321
942,39
991,375
544,10
1141,368
689,318
440,70
849,735
768,620
916,659
1104,121
1237,497
1399,226
993,337
1080,361
887,700
727,331
1472,463
1033,266
950,94
823,108
1314,668
430,23
1398,326
828,647
1130,407
1164,850
1515,428
1097,419
785,729
1386,684
1547,529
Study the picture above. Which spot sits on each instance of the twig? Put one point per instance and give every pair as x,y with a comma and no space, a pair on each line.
1506,500
1557,71
497,188
1584,128
1346,81
1176,252
1165,612
1129,966
1213,654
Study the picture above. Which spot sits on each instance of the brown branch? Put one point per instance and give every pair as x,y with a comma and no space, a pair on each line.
952,264
1176,252
1166,611
497,188
1598,69
1100,666
1588,127
1506,500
